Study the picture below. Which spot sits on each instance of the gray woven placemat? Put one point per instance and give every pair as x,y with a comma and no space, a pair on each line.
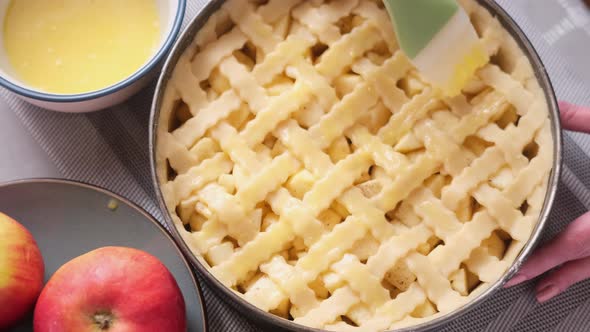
109,149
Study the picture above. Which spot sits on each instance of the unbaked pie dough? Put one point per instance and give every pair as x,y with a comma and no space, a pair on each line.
311,168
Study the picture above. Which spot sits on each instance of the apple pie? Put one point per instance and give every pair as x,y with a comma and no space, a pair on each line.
312,169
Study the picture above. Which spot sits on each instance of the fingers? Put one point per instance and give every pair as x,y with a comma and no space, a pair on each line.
575,118
561,279
571,244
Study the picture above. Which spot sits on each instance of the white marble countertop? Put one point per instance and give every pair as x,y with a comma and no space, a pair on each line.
21,156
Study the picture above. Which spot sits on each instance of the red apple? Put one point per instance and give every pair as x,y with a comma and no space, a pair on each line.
111,289
21,271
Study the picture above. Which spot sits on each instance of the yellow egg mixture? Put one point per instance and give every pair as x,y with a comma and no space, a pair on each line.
77,46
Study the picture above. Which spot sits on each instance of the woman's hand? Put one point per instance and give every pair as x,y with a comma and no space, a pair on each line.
569,250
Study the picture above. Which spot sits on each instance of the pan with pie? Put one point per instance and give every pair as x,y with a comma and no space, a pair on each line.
314,172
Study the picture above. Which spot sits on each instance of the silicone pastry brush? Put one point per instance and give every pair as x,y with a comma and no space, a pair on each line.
439,39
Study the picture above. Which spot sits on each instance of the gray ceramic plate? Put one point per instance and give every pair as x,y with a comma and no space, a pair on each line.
69,219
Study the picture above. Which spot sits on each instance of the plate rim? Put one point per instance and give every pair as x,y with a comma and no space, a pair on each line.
142,211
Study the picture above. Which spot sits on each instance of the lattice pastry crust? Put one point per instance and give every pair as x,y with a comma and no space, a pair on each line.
306,162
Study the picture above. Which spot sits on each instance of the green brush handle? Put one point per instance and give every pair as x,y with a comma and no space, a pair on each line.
418,21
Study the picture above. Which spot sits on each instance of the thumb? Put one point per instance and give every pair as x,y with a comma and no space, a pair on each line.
571,244
575,118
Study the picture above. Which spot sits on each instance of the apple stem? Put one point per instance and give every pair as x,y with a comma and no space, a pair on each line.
103,321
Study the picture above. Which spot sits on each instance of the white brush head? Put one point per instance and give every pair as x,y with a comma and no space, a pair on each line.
452,55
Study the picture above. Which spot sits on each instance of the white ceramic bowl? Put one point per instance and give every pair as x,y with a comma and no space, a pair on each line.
171,16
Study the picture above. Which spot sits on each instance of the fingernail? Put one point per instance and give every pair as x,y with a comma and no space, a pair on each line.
517,279
547,293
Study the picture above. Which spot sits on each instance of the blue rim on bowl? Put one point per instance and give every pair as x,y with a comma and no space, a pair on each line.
154,60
